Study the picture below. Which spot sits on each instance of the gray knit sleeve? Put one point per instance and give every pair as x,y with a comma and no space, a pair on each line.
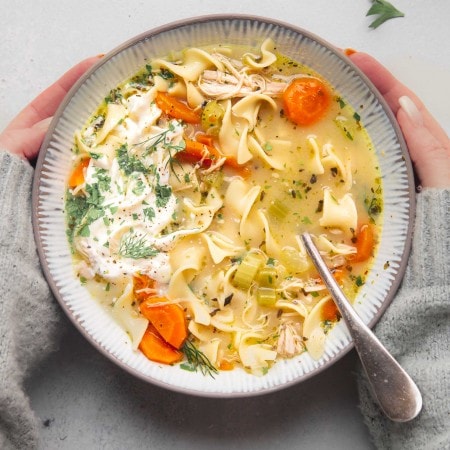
416,329
30,317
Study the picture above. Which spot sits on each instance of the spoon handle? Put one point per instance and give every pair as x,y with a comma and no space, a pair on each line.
394,390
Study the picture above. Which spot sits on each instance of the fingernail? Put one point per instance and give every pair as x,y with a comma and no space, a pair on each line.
349,51
100,55
411,110
44,123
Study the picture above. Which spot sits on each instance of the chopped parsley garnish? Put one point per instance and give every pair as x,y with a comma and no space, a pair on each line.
81,211
149,213
306,220
166,74
115,96
139,188
341,102
104,180
129,163
163,193
143,79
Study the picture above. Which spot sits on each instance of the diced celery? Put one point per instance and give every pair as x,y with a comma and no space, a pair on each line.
278,210
214,179
268,277
247,270
266,296
346,126
212,116
293,261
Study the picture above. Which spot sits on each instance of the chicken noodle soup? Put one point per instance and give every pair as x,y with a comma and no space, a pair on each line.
191,186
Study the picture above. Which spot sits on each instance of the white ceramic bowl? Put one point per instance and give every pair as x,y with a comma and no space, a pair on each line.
54,165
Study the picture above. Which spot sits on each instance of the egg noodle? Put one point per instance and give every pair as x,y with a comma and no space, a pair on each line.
191,186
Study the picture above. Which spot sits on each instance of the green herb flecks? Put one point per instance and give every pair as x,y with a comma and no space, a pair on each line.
129,163
103,180
384,10
81,211
149,213
76,207
166,74
374,203
327,325
196,360
139,188
163,193
144,78
160,140
115,96
135,247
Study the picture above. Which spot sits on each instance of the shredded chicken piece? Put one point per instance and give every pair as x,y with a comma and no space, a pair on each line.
237,82
290,343
219,163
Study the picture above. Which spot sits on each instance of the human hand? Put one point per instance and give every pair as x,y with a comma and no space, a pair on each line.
428,143
24,135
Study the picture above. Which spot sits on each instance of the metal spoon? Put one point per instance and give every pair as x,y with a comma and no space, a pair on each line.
395,391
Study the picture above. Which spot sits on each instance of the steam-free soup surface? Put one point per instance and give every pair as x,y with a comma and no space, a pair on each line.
192,184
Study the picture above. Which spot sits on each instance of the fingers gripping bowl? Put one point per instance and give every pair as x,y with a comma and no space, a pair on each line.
139,207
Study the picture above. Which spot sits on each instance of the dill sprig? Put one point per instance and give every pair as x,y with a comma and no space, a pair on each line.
135,247
161,140
197,360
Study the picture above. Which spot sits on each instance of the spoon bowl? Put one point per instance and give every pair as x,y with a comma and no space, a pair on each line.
396,393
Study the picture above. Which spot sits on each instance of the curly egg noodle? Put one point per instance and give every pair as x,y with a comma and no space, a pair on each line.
207,205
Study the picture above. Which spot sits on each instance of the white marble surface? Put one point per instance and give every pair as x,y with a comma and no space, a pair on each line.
83,400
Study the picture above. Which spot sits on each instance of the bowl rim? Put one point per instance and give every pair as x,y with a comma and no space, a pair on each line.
194,20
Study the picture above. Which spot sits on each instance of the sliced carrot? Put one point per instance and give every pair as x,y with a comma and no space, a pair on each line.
305,100
205,139
176,108
169,320
77,176
330,311
365,243
226,365
155,348
141,283
196,151
338,275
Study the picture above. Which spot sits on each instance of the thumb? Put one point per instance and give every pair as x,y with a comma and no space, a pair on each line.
35,137
430,155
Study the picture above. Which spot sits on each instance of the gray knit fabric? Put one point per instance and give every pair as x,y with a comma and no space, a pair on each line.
29,316
415,327
416,330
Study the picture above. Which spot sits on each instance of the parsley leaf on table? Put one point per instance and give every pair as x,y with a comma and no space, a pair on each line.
384,10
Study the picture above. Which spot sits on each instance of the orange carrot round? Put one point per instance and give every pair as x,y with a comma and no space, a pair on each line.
330,311
306,100
200,150
141,283
226,365
176,108
77,176
365,243
155,348
169,320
